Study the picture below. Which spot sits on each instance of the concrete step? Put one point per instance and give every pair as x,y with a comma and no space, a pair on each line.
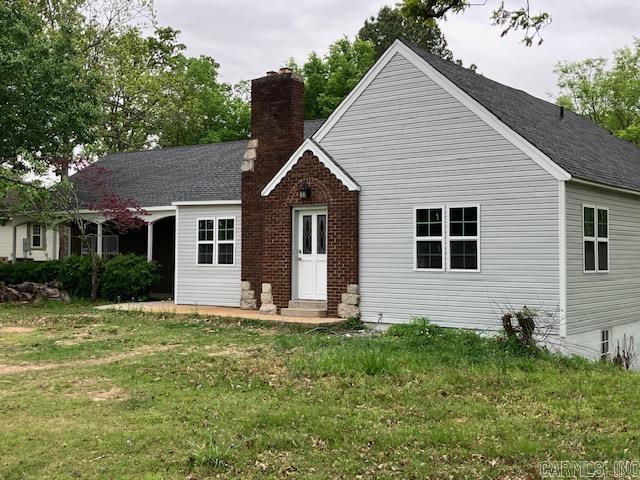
313,304
304,312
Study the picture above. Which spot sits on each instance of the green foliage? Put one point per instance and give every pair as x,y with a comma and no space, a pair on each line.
40,272
329,79
154,94
127,277
390,25
123,277
420,345
164,381
520,18
210,455
75,275
50,101
608,95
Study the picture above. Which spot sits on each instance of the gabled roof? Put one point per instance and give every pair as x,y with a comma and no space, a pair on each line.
324,158
160,177
575,143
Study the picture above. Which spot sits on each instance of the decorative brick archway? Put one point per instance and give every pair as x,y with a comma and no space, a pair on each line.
342,230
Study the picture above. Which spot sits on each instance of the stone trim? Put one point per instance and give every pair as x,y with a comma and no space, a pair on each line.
266,300
247,297
350,305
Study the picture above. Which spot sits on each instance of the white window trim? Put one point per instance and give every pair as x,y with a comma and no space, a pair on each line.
608,353
205,242
595,239
445,239
469,238
225,242
417,239
215,242
40,235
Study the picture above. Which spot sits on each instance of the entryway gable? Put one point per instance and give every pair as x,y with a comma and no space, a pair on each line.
310,192
323,157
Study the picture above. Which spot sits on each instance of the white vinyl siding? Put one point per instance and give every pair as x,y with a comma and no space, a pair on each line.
22,236
598,301
408,142
209,284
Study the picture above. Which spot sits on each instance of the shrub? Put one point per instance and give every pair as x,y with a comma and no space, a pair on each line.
123,277
127,277
75,275
28,271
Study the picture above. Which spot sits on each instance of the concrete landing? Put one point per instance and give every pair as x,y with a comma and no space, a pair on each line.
228,312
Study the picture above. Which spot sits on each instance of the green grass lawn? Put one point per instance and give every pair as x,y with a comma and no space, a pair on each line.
96,394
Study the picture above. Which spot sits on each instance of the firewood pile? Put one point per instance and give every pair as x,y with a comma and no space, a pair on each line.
29,292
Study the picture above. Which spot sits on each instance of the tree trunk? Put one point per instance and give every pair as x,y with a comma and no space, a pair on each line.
95,276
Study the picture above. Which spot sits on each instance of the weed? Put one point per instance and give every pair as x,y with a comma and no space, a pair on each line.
210,455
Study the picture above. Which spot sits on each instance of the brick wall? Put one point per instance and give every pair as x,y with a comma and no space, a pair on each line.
277,122
342,230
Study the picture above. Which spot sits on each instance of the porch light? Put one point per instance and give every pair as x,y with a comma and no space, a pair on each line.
305,191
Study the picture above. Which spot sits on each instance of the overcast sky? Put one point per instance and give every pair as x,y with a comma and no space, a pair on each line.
249,37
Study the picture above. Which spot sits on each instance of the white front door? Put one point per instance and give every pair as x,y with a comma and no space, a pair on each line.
311,250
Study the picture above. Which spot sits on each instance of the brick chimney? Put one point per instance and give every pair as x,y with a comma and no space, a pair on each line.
277,130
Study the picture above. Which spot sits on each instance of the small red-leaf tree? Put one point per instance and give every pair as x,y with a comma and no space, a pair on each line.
75,200
89,192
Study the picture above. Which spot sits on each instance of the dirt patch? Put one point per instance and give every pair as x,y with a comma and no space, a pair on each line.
98,390
114,393
7,330
137,352
236,352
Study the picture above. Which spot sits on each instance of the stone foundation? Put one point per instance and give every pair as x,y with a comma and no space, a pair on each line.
349,306
247,297
266,300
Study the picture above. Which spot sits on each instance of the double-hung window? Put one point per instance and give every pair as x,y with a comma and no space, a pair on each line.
216,241
36,236
595,238
206,241
463,238
447,238
429,238
226,241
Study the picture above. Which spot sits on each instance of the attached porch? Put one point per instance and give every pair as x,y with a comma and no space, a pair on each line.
155,240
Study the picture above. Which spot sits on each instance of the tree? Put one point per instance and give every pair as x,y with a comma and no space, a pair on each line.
63,203
154,94
328,80
49,101
531,24
199,109
390,25
609,96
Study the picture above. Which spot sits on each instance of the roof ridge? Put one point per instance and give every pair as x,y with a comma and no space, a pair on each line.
175,147
423,52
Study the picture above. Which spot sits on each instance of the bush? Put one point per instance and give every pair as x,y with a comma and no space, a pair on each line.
123,277
28,271
75,275
127,277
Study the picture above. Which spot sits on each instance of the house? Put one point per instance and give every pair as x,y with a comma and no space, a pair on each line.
431,190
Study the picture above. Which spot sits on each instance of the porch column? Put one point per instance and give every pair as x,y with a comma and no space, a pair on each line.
14,240
99,242
54,240
149,241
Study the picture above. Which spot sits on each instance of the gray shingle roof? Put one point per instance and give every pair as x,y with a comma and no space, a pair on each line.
576,144
159,177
